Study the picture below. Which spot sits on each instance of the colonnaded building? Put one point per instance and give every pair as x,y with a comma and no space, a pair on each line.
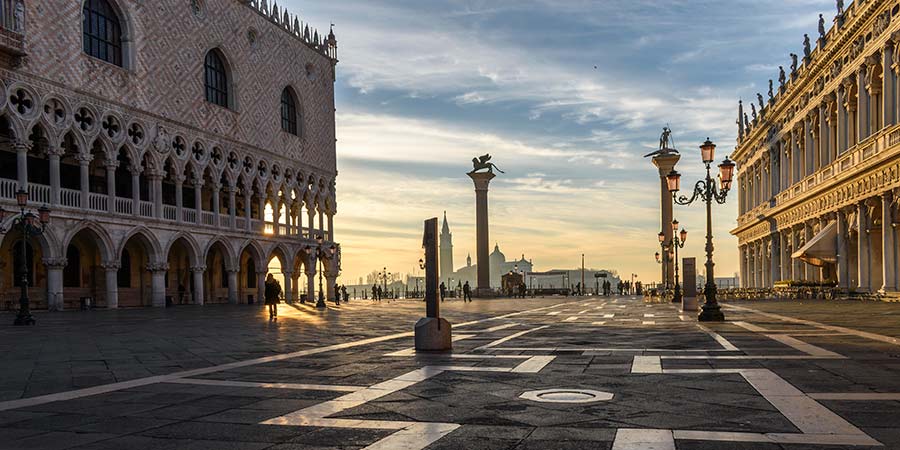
180,144
820,164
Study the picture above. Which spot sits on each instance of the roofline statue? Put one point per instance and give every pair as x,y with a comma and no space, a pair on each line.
483,162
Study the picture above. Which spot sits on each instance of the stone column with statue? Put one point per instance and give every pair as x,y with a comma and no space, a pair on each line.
665,159
482,173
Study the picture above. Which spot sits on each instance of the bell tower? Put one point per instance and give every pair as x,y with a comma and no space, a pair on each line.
446,251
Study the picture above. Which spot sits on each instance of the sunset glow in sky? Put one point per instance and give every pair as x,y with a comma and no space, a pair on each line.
567,95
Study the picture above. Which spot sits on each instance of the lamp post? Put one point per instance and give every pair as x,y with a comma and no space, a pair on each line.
707,191
665,257
321,253
29,224
677,243
421,266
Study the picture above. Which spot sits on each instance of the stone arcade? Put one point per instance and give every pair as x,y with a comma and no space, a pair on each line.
182,146
820,168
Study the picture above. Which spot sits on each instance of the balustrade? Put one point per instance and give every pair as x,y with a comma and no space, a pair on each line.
146,209
38,193
98,202
189,215
8,188
208,218
124,206
169,212
70,198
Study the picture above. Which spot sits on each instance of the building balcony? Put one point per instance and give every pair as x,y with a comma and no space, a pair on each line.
70,203
12,28
854,160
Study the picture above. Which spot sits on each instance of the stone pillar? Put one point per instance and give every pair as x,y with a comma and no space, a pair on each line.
824,137
247,209
810,269
862,107
863,246
156,186
841,143
288,286
262,213
330,280
22,163
55,268
321,222
179,197
842,269
796,272
84,163
217,189
135,189
111,167
198,272
889,84
112,284
775,265
665,163
158,283
888,242
232,205
54,177
331,227
198,199
742,254
482,180
311,215
276,217
311,281
261,284
232,286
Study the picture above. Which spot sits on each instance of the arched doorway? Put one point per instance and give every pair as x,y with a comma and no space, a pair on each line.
84,275
13,251
134,280
216,281
302,282
280,268
251,274
181,286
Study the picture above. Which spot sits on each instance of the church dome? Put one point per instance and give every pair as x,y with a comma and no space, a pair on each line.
497,256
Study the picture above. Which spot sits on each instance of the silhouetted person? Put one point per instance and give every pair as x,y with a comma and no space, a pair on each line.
374,292
467,292
272,292
344,291
443,290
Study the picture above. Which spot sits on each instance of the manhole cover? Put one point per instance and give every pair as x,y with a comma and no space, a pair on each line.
567,396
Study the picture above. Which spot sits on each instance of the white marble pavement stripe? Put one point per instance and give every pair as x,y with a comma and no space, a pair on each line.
296,386
646,364
857,396
112,387
725,343
803,346
512,336
862,334
643,439
777,438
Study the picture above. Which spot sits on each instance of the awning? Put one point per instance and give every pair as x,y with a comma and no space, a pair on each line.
821,249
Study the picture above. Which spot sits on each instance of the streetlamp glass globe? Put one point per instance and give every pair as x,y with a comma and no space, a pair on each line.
673,180
726,173
708,151
44,214
319,239
675,225
661,236
657,256
683,235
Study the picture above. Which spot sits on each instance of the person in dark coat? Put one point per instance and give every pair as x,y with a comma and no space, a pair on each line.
467,292
273,293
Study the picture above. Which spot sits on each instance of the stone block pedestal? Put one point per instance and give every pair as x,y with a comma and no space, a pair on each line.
433,334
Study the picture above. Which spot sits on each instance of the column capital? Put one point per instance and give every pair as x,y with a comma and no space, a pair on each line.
111,164
110,266
200,269
22,146
55,263
481,179
84,159
157,267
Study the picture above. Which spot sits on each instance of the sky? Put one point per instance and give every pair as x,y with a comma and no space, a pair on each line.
566,95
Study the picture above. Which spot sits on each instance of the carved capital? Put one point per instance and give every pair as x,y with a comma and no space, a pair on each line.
55,263
199,269
157,267
110,266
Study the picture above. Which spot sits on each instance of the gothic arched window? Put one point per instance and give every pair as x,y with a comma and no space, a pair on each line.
289,111
102,32
72,272
216,77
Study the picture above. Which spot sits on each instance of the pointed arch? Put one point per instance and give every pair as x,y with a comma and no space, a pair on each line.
192,245
146,238
97,233
217,76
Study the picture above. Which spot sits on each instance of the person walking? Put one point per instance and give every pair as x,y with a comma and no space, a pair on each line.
344,291
467,292
273,293
443,290
374,292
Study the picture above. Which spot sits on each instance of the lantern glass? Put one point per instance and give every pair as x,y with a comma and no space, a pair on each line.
675,225
673,179
662,237
22,197
332,249
44,214
30,219
726,173
708,151
319,239
683,235
657,256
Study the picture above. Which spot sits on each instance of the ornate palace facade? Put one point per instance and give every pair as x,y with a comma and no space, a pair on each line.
181,145
820,164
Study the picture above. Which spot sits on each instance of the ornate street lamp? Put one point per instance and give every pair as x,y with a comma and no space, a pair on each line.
29,224
320,253
706,190
678,242
665,255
